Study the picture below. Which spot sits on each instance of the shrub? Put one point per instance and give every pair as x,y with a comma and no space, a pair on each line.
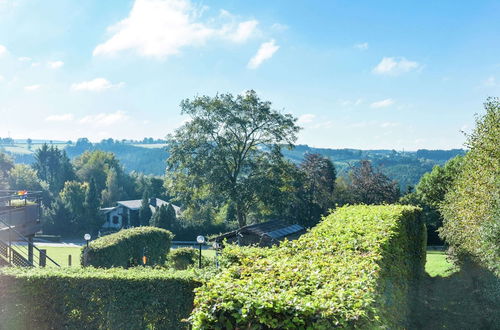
182,258
91,298
471,209
127,247
360,267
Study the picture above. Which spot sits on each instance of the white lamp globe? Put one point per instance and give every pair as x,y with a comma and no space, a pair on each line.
200,239
86,237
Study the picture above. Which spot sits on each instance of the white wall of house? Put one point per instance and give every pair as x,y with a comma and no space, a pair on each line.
114,218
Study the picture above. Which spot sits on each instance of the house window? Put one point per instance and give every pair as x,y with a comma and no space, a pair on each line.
115,219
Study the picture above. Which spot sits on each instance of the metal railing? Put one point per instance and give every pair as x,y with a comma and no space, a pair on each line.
22,254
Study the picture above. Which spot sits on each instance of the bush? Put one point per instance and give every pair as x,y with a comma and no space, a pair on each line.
360,267
127,247
183,258
471,209
91,298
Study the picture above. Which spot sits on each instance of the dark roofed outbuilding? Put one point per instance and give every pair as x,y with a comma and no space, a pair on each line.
263,234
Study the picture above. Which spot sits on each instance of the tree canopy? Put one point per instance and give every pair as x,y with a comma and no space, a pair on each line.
228,147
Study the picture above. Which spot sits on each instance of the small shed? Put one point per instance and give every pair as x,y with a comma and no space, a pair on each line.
263,234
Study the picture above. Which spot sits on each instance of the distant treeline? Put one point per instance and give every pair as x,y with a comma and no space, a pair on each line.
405,167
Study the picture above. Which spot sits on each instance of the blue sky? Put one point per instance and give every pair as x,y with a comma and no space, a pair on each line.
357,74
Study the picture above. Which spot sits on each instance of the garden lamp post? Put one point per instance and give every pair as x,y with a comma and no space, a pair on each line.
201,240
87,238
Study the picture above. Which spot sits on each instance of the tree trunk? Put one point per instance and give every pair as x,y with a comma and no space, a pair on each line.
240,214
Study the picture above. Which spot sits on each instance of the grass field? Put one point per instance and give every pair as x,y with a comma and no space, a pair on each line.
437,265
60,254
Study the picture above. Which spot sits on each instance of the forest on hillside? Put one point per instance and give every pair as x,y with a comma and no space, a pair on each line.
149,157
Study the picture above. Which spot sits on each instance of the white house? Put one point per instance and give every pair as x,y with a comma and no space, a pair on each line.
119,216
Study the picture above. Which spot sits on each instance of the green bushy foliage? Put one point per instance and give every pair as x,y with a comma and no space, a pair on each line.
360,267
183,258
471,208
127,247
91,298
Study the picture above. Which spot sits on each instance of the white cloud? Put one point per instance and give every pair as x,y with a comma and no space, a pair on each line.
55,64
382,104
265,52
105,119
244,31
60,118
395,66
160,28
24,59
348,103
32,88
306,118
95,85
3,50
279,27
35,64
361,46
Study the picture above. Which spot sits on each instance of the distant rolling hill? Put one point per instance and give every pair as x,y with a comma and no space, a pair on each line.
405,167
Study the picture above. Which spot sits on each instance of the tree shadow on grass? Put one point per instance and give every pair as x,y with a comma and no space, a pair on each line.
468,299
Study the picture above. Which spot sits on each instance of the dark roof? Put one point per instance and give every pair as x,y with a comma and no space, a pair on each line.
275,229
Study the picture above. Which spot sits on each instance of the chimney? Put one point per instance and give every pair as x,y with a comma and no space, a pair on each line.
152,202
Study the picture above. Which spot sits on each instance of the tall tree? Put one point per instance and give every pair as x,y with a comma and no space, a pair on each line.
6,165
318,187
92,203
53,166
228,146
370,186
164,217
471,208
145,211
113,191
96,165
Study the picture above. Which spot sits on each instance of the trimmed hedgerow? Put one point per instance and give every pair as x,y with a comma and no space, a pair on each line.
360,267
183,258
127,247
92,298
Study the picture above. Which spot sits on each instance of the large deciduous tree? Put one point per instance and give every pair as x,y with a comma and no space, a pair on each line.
318,186
369,186
228,147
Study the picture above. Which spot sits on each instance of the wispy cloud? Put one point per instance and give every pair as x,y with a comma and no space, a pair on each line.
3,50
395,66
306,118
105,119
490,82
24,59
60,118
348,103
361,46
32,88
265,52
382,104
160,28
95,85
389,124
55,64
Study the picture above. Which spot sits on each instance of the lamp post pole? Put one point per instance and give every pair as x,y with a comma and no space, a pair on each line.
201,240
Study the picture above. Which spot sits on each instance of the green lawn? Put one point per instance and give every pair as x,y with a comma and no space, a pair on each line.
60,254
437,265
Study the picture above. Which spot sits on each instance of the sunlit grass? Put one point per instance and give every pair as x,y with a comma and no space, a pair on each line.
437,265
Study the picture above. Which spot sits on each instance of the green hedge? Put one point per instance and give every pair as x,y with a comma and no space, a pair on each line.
186,257
127,247
91,298
360,267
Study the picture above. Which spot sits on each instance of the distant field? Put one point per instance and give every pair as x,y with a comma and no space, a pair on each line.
150,146
19,150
